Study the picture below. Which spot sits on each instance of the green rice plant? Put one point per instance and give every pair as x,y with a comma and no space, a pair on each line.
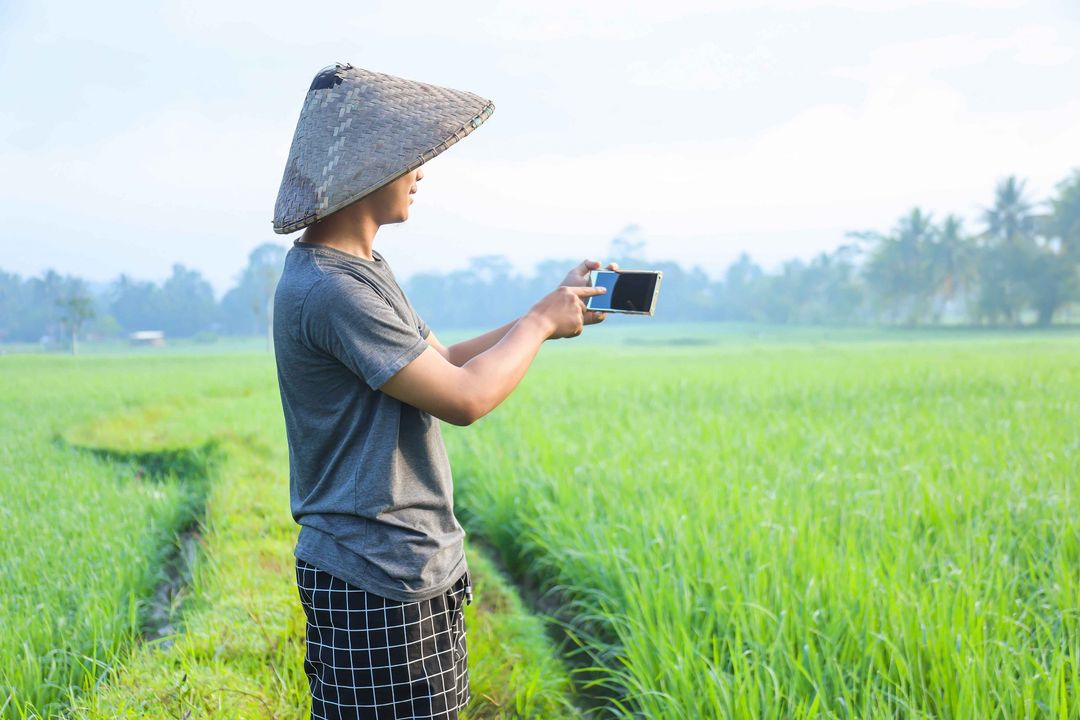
852,530
111,458
731,526
239,649
85,532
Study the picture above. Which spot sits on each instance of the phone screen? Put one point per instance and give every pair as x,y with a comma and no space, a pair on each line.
627,291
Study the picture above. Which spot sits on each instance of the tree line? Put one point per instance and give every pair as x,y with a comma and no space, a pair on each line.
54,309
1020,264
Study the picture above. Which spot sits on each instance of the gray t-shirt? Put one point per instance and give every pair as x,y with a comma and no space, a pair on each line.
369,477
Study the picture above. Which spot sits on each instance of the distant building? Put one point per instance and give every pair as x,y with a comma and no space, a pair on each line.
150,338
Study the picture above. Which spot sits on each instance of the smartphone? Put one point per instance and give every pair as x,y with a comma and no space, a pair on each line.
633,292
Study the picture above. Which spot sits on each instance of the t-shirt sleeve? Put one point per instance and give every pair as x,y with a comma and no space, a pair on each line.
348,319
420,324
424,329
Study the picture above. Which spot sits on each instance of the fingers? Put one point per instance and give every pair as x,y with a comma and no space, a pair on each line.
613,266
585,267
588,291
580,274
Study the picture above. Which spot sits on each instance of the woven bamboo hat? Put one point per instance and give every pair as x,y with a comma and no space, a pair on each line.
359,130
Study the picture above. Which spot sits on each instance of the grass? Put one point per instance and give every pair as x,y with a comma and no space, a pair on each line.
84,537
823,525
836,530
203,439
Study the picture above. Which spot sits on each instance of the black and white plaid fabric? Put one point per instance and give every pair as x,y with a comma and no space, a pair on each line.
371,657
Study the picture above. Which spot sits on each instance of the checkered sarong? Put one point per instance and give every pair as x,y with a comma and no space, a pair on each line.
371,657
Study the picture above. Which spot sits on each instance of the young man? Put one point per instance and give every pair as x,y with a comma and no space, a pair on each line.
380,565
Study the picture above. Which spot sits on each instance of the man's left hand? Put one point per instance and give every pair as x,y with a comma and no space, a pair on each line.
579,277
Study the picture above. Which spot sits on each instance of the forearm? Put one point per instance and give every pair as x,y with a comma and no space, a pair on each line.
464,351
492,374
461,394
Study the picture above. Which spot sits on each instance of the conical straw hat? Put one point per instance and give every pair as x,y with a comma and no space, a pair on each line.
359,130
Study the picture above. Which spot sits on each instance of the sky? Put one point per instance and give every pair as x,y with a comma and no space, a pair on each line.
138,135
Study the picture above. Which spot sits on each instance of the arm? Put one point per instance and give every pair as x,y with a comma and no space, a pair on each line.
462,395
460,353
464,351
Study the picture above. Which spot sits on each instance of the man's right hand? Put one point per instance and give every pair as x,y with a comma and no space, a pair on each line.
563,310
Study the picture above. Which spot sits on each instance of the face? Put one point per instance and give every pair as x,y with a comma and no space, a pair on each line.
390,203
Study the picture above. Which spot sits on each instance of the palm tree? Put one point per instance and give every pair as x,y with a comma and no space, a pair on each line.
1056,270
899,266
1008,252
1011,217
951,260
1063,222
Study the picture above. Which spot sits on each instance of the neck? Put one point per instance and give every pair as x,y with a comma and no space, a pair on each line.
352,233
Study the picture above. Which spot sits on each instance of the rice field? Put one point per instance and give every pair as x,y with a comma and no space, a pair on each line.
112,464
863,530
84,538
802,526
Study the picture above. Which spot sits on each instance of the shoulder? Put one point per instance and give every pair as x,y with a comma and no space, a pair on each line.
336,290
347,281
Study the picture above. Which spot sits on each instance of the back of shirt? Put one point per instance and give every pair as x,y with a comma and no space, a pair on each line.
370,480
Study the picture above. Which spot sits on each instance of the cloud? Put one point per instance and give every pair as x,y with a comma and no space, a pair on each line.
697,119
1032,44
1040,45
515,22
907,143
702,68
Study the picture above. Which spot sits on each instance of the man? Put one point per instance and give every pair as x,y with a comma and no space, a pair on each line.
380,565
